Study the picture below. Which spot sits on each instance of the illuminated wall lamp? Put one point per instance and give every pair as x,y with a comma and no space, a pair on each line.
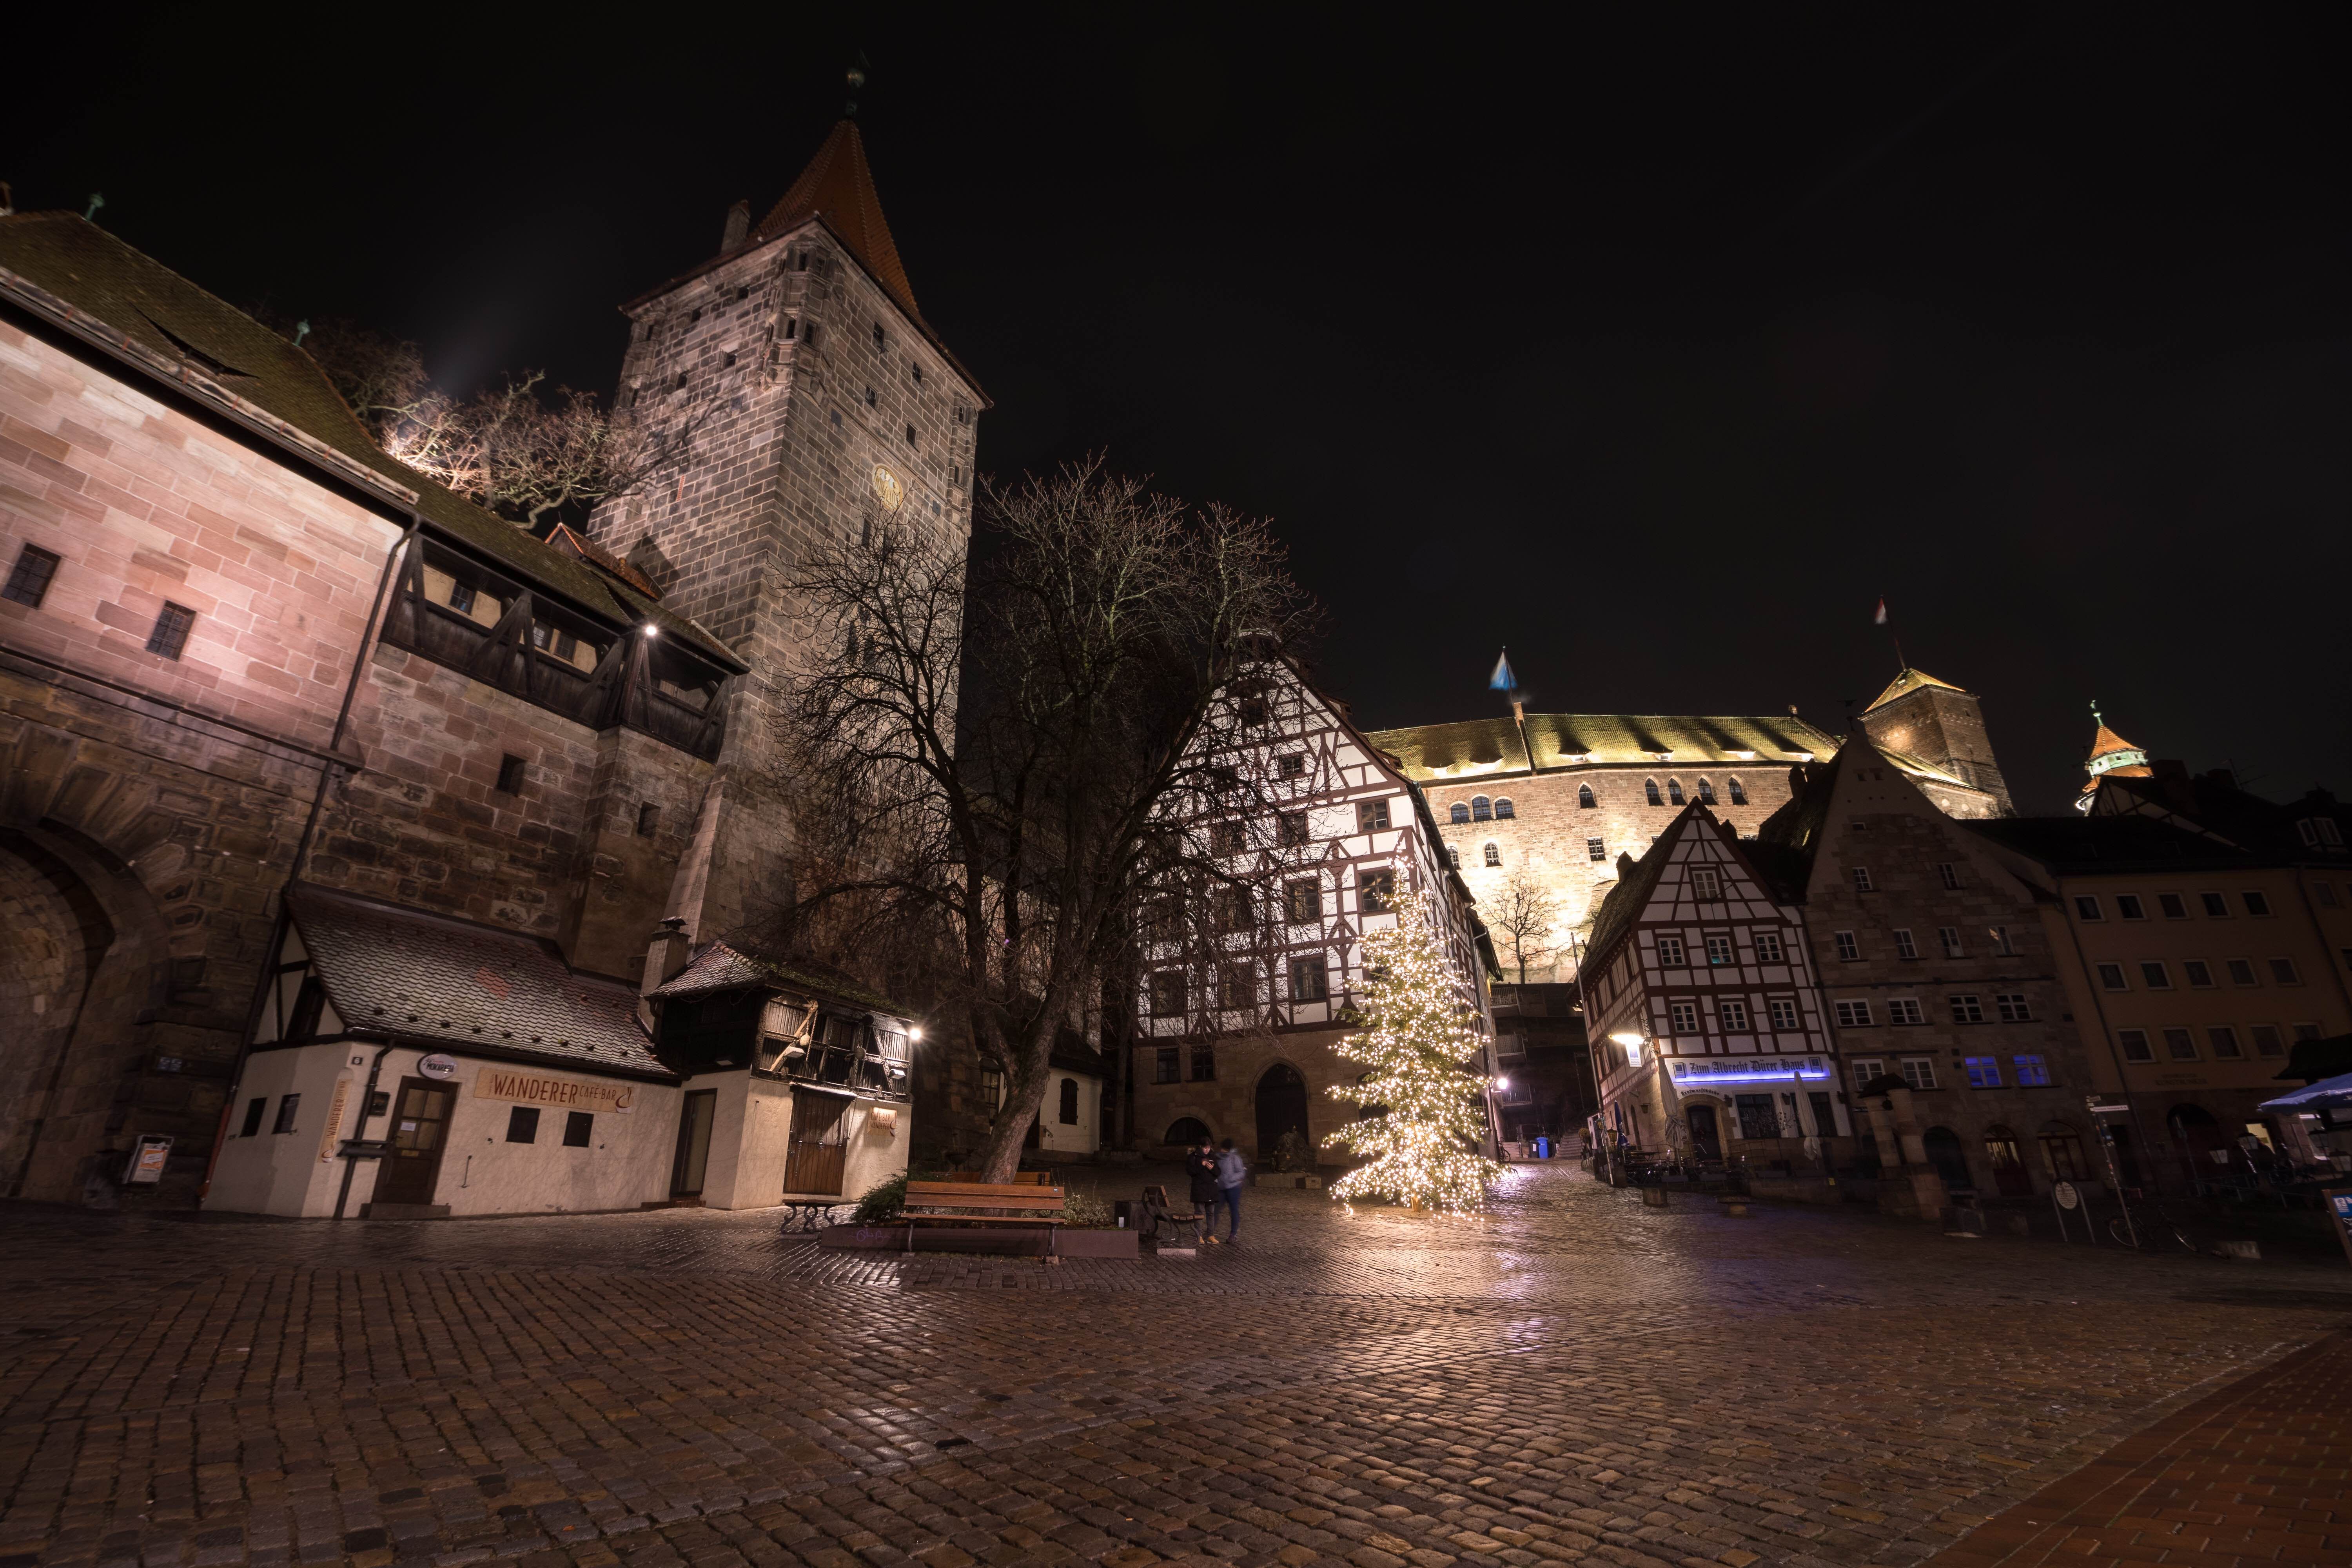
1633,1041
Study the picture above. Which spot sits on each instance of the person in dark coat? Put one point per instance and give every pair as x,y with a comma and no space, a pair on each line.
1201,1168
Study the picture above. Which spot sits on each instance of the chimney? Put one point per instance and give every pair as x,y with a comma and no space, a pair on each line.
665,954
738,225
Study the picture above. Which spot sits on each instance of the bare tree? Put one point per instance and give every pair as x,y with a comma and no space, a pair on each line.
1525,915
1007,755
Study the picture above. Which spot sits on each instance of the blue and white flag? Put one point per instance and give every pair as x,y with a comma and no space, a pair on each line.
1503,679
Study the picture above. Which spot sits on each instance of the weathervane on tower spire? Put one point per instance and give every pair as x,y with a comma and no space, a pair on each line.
855,77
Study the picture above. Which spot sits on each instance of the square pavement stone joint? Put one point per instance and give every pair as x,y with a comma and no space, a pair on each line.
1571,1376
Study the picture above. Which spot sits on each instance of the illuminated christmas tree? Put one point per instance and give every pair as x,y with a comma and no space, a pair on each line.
1418,1035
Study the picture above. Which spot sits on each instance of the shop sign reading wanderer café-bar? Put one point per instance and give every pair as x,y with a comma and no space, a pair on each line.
562,1093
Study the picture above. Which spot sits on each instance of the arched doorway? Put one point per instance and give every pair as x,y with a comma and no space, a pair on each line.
1281,1108
1187,1132
2010,1176
2199,1137
1945,1153
1706,1141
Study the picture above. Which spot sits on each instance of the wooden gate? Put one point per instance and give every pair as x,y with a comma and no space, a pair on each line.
819,1150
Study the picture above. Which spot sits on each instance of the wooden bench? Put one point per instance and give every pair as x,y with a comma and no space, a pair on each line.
1018,1178
983,1203
1159,1212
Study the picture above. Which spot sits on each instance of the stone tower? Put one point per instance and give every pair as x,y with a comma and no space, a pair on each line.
1937,722
813,391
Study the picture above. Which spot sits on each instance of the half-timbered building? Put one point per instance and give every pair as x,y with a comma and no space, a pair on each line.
1702,1007
1246,988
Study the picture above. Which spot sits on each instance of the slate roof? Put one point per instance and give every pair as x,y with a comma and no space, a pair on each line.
2091,844
467,988
1907,681
720,967
62,260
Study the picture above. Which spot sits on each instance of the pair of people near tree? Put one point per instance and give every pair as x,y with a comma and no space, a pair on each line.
1217,1175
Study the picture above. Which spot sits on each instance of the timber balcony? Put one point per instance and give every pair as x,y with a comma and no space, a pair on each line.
464,617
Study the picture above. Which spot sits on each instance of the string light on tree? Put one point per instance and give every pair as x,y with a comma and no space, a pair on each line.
1417,1028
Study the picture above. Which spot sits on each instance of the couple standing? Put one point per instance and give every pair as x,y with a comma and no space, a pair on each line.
1217,1175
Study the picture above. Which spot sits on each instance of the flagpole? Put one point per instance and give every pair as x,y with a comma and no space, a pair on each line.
1886,620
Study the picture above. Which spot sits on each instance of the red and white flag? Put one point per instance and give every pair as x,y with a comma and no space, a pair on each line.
1880,619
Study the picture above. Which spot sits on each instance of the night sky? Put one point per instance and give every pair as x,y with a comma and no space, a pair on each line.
1657,355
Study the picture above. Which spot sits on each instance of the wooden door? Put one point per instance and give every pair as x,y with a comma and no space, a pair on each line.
686,1172
819,1151
420,1132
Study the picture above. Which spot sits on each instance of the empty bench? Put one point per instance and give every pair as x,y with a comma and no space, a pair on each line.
984,1203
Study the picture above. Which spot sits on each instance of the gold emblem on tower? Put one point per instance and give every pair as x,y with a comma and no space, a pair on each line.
886,488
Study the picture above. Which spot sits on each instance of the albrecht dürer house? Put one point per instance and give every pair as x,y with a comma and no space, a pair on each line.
364,853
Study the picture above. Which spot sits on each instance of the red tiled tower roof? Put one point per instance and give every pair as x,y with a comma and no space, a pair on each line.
839,186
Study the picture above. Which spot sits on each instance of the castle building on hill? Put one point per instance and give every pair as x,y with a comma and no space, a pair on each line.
1554,799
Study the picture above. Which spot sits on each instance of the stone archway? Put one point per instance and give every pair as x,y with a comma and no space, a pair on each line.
59,937
1281,1103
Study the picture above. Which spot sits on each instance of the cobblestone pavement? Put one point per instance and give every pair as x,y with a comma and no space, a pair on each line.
1575,1376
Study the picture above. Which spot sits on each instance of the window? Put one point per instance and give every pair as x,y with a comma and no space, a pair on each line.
1237,987
2128,906
1919,1072
1584,801
29,580
1460,812
1309,980
2306,1031
2152,975
1302,900
808,334
510,775
1966,1009
2224,1041
1481,809
1706,884
2111,977
2087,907
1707,792
2179,1045
1853,1015
1168,993
1168,1066
1861,880
2319,832
1768,947
1372,816
1685,1016
522,1124
2013,1007
253,1111
287,1106
1227,837
2134,1045
1493,853
1784,1013
1253,712
1453,856
1984,1073
1848,950
2257,903
2033,1072
648,820
1718,950
1867,1070
2266,1039
2283,970
1951,937
1905,1010
579,1126
679,382
2001,945
2200,973
881,339
1670,952
2172,906
169,637
1674,790
1291,765
461,598
1204,1065
1650,788
1503,810
1904,946
1949,872
1595,849
1290,828
1376,891
1231,910
2242,972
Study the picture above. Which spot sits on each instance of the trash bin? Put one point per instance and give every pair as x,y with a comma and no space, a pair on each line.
1543,1148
